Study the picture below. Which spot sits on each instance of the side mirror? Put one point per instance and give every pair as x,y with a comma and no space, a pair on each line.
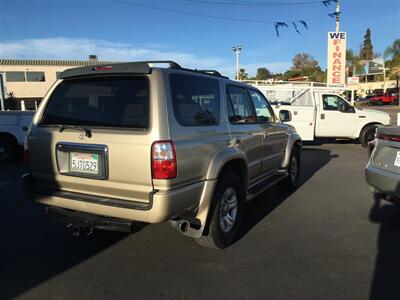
285,115
351,109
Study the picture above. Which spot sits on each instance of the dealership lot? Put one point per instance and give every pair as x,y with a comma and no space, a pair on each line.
328,240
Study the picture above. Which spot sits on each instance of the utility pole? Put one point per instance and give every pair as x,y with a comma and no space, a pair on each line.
237,50
337,15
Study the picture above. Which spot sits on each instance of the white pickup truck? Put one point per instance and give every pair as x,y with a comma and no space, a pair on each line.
317,111
13,128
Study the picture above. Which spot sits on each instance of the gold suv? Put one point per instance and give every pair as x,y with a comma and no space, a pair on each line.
121,144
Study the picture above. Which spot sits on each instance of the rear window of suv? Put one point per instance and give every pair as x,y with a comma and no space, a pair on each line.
195,99
115,101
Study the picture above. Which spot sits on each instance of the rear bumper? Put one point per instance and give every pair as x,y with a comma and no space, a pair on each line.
383,182
162,205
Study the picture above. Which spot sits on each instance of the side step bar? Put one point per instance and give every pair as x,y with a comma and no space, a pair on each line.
265,184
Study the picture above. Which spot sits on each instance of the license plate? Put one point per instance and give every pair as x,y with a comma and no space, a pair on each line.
86,163
397,161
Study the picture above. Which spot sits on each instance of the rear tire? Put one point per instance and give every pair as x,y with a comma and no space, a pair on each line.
379,103
226,213
367,134
291,182
8,148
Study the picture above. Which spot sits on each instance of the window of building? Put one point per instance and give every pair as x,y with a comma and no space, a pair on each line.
35,76
195,99
13,76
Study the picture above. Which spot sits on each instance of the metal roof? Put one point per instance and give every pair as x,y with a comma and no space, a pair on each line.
47,62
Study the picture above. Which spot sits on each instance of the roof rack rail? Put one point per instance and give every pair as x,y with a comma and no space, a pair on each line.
174,65
211,72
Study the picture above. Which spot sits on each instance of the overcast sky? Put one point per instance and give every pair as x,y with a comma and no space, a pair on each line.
195,33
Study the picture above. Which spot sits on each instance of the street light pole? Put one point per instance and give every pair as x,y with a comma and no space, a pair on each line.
237,50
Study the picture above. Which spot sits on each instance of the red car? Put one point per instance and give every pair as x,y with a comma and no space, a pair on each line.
381,99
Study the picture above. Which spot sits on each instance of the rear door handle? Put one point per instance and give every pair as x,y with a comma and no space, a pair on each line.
322,116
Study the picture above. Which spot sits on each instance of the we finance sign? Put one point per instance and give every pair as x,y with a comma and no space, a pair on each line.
336,58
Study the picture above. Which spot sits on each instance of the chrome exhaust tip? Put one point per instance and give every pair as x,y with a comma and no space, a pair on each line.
183,225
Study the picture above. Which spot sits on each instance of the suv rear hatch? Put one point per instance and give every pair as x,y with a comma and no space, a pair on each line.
387,153
93,138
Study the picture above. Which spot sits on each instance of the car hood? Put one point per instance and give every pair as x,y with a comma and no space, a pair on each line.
376,115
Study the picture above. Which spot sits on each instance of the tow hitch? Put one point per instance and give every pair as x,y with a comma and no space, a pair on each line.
84,224
79,230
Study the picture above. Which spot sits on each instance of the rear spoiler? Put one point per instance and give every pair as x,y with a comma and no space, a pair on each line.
136,68
141,67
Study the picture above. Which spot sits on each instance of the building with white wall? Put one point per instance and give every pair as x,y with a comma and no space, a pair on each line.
29,79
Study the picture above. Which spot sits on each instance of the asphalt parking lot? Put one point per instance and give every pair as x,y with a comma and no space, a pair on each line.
328,240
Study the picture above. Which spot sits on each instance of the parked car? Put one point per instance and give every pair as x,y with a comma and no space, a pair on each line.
381,99
383,168
132,142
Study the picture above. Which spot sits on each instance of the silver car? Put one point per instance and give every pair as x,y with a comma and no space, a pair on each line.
383,168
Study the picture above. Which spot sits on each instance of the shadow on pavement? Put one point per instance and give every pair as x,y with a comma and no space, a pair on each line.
34,248
385,282
312,160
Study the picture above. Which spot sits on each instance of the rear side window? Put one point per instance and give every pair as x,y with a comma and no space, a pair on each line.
101,102
195,99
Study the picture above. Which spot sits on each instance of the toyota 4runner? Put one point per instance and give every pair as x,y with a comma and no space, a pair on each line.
132,143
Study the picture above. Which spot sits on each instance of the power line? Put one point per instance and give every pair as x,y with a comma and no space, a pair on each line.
252,3
134,3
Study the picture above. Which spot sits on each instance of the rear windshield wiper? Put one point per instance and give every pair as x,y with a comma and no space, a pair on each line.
88,132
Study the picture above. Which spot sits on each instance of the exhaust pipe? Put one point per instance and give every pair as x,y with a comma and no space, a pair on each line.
182,225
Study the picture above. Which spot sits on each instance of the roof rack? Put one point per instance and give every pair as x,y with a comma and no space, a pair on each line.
211,72
139,67
174,65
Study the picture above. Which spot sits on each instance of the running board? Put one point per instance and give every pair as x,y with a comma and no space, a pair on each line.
260,187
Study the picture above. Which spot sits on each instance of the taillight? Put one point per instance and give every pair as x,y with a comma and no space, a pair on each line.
26,150
388,137
163,160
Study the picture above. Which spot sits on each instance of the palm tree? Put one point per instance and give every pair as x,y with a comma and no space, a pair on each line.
392,53
354,62
393,50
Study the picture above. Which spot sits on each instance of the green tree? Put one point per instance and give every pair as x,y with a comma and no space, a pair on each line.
353,63
366,52
392,53
304,62
305,65
263,74
392,56
243,75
